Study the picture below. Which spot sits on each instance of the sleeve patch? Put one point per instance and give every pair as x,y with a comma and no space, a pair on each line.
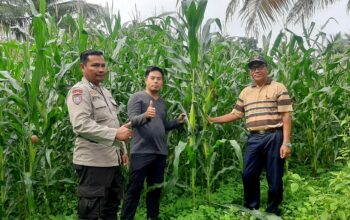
77,98
77,92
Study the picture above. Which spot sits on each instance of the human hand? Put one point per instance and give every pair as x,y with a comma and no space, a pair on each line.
125,159
285,152
210,119
128,125
181,118
123,133
151,110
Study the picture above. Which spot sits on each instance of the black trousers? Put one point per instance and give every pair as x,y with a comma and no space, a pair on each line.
263,151
100,191
144,166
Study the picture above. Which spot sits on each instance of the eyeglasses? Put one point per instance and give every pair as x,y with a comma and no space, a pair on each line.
257,67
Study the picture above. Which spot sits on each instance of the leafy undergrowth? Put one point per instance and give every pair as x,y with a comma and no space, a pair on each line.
326,196
323,197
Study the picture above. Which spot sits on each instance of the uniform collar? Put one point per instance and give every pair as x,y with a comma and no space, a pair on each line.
268,82
90,84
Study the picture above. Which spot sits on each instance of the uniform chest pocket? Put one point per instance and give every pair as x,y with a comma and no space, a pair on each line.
100,110
114,105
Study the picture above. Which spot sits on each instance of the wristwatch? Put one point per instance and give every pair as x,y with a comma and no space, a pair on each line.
287,144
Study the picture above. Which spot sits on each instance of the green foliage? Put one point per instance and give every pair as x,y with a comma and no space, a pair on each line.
325,197
204,74
317,77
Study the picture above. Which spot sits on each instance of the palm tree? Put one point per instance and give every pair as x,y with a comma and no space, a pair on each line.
16,14
259,14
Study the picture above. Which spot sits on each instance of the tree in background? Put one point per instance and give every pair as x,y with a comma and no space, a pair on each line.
16,15
259,14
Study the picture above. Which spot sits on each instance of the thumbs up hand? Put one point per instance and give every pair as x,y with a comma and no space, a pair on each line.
151,110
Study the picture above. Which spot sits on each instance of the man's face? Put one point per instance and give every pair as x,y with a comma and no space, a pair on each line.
259,72
95,69
154,81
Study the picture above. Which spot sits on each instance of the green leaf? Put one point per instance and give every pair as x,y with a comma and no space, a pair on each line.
13,82
294,187
238,152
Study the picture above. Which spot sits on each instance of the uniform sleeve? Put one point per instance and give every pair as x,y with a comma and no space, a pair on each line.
81,117
239,107
284,103
135,115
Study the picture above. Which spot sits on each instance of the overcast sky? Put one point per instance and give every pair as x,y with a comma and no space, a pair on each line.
217,9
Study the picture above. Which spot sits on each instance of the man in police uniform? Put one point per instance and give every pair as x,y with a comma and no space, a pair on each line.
266,106
98,150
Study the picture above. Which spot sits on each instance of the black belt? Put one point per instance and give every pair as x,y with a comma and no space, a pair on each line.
272,130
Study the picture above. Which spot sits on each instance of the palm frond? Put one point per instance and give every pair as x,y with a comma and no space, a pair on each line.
232,8
86,9
307,8
12,12
262,13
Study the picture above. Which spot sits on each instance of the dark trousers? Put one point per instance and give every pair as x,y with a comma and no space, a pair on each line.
144,166
263,150
100,190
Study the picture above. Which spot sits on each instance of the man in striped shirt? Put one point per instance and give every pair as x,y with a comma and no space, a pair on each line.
266,106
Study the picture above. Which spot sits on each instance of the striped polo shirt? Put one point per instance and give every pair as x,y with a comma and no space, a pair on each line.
261,106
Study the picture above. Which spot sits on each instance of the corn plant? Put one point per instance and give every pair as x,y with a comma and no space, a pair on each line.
205,72
316,77
200,89
31,108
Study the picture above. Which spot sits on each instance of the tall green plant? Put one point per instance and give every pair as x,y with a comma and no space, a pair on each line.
196,64
315,74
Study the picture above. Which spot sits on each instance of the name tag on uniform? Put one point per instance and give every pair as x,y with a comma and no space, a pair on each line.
93,92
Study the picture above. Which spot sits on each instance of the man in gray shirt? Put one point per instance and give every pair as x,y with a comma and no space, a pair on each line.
147,113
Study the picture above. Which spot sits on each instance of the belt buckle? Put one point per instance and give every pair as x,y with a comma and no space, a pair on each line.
261,132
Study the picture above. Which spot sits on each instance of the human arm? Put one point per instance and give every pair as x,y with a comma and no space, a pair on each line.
285,151
224,118
174,124
236,113
284,106
135,114
124,151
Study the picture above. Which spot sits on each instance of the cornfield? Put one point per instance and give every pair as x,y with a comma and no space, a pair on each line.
205,71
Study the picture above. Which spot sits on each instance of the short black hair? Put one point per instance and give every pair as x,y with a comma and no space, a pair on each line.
153,68
85,55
